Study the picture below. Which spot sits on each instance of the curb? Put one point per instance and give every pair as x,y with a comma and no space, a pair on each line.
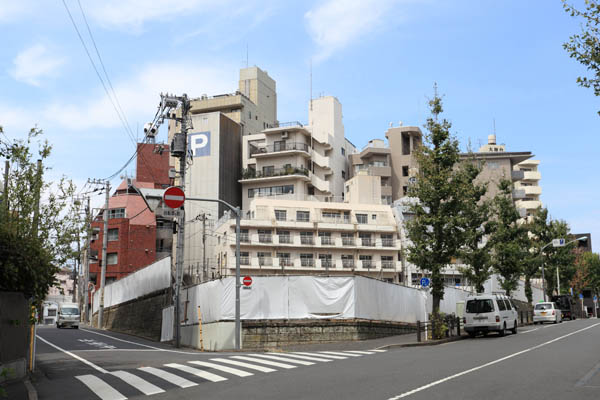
31,392
421,344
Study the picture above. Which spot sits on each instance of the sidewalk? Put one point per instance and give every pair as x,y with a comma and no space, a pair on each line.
20,390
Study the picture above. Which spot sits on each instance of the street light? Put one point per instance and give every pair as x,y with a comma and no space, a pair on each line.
555,243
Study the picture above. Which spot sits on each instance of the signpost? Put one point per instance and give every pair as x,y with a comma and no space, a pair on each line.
424,282
595,306
247,282
174,197
558,242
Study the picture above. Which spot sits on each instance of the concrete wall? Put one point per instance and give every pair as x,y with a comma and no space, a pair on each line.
14,333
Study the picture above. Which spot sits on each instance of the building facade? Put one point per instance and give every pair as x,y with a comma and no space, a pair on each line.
529,186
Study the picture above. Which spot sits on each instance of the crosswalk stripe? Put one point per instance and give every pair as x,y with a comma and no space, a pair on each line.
140,384
100,388
338,353
271,363
223,368
277,358
378,350
303,357
321,355
198,372
169,377
243,364
359,352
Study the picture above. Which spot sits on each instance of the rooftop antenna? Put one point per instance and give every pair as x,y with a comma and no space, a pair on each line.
311,96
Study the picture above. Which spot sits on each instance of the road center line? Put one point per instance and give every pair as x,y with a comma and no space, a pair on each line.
97,368
432,384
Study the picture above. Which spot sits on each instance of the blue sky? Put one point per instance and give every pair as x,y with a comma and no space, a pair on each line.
499,60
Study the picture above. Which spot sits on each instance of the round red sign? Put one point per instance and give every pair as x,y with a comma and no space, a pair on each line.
174,197
247,281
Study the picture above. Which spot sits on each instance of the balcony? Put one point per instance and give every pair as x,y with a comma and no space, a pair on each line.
265,261
367,242
518,194
285,239
388,242
346,241
326,264
307,262
347,263
517,175
285,262
244,260
265,238
388,264
532,190
303,148
367,264
249,174
532,176
307,240
326,240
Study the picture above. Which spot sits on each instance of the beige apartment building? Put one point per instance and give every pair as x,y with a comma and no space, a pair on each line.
529,186
297,161
312,237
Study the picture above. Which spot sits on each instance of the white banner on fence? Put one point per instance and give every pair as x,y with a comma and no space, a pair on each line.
166,329
149,279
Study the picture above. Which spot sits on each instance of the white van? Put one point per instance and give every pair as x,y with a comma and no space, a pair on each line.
68,315
489,312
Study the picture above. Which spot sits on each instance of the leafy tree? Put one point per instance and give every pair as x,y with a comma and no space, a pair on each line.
436,232
38,221
509,241
540,234
561,258
585,46
475,252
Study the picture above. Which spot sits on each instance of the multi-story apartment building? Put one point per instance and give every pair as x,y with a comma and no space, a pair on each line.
529,186
375,160
298,161
403,140
312,237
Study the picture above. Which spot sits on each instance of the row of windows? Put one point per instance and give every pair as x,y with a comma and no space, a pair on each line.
271,191
321,256
321,234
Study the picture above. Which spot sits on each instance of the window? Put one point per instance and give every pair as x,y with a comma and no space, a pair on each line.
365,239
284,259
387,240
279,145
306,238
404,190
501,305
264,236
113,234
280,215
347,261
302,216
347,239
325,260
387,261
362,218
480,306
268,170
405,170
264,258
366,261
306,260
244,258
284,236
116,213
270,191
112,259
325,238
343,174
343,151
374,217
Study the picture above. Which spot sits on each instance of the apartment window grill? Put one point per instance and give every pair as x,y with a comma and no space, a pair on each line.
116,213
264,236
325,260
280,215
244,236
326,238
113,234
265,259
387,240
284,237
244,258
306,260
362,218
347,239
347,261
366,261
284,259
387,262
303,216
307,238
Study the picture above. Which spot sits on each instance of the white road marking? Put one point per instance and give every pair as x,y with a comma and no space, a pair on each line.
278,358
244,365
97,368
468,371
139,344
223,368
358,352
321,355
169,377
265,362
530,330
338,353
588,376
100,388
198,372
140,384
302,357
379,350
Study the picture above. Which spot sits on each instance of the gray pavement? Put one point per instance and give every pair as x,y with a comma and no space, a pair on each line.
540,362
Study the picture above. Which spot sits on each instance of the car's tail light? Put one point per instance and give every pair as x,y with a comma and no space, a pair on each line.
553,312
464,320
497,318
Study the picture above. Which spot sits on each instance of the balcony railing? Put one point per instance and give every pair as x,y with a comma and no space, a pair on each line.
288,124
278,147
307,240
244,260
285,262
348,263
367,264
387,264
347,241
244,237
265,238
336,220
307,262
249,173
326,264
285,239
388,242
367,242
326,240
265,261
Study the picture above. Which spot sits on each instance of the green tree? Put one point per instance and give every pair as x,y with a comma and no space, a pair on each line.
559,258
585,46
475,252
38,221
540,234
509,241
436,231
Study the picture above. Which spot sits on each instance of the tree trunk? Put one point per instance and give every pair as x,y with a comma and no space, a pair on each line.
528,291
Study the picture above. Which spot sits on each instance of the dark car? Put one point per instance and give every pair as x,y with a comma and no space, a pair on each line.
566,304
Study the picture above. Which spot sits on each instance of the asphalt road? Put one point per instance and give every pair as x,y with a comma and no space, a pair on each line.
541,362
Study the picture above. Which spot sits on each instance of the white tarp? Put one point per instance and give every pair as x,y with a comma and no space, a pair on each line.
493,285
321,297
149,279
166,329
382,301
448,303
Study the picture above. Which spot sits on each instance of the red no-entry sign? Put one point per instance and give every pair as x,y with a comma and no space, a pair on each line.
247,281
174,197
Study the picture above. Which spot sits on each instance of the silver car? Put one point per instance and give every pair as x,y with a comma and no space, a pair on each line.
68,315
546,312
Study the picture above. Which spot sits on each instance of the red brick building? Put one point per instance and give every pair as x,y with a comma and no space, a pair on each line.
133,230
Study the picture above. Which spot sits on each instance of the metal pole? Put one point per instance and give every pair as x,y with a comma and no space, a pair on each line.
557,282
543,280
104,246
180,222
5,194
203,247
238,324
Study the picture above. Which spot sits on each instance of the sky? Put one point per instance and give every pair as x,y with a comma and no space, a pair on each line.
499,61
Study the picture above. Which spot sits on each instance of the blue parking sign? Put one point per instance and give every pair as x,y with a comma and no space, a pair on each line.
424,282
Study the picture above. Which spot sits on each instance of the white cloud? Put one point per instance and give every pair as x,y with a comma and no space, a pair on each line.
139,95
35,63
337,23
11,10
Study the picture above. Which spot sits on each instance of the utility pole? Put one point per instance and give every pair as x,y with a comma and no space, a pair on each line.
203,247
106,184
88,211
38,189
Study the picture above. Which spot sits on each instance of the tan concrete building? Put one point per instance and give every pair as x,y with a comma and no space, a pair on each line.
374,160
529,186
297,161
312,237
403,140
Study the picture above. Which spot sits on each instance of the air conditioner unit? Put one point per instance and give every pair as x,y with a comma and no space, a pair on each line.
284,135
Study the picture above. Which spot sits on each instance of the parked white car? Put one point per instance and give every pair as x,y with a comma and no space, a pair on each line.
489,312
68,315
546,312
